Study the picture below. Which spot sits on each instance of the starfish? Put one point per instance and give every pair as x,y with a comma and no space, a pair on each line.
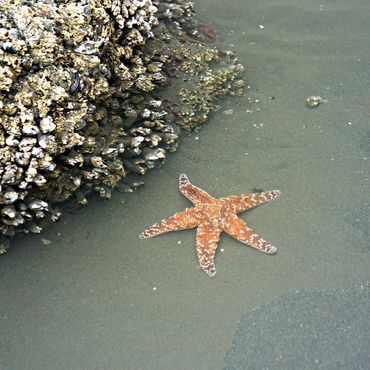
212,216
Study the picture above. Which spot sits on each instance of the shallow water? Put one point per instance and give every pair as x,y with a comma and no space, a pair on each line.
98,297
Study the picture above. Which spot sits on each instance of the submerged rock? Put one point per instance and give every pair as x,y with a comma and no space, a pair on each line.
88,97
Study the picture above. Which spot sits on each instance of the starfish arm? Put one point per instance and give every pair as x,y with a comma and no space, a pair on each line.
240,203
208,236
193,193
186,219
238,229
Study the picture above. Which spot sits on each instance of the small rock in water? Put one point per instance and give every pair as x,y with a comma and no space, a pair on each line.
313,101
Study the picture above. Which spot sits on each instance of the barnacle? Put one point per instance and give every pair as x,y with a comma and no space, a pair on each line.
84,101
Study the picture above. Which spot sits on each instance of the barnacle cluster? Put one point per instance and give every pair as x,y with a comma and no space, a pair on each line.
90,94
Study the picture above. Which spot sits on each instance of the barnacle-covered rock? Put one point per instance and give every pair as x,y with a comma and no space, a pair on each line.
84,98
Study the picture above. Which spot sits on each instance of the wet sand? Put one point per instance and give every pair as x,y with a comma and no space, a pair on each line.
98,297
322,330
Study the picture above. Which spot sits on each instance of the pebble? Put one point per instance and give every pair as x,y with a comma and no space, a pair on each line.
228,112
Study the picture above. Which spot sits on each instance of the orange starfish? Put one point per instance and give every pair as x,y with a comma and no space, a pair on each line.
212,216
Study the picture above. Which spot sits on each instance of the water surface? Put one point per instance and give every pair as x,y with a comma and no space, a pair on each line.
100,298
